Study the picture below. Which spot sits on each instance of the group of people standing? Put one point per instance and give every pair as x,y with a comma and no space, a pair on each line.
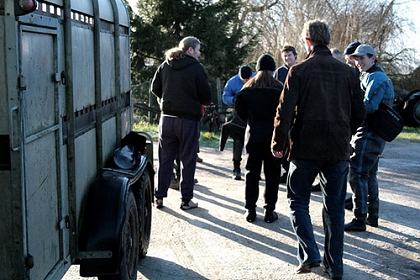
311,113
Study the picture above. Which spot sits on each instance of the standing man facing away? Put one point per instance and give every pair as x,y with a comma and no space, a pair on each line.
289,55
366,145
236,127
182,87
323,106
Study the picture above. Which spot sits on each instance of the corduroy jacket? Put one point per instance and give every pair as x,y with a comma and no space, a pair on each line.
322,105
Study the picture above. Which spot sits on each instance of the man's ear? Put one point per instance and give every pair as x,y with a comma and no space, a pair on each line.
190,50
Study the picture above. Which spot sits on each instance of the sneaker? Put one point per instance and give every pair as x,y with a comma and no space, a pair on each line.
251,215
236,175
372,221
355,225
159,202
188,205
270,216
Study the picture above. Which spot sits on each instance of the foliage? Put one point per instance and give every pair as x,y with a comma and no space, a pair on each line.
410,133
208,139
161,24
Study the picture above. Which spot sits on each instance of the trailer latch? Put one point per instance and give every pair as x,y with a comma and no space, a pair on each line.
65,223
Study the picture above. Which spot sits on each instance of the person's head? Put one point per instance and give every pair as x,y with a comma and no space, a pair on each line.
337,54
191,46
316,33
245,73
289,55
188,45
264,77
365,57
348,51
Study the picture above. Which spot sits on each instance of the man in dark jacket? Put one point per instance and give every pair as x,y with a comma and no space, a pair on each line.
182,87
323,102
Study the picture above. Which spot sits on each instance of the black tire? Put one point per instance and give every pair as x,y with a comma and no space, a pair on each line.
411,112
129,244
145,217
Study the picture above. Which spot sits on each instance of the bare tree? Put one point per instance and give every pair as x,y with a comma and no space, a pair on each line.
373,22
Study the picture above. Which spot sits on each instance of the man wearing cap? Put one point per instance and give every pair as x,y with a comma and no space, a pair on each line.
366,145
256,105
348,51
321,105
235,125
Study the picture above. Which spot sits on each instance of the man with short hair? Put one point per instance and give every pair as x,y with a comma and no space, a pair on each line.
366,145
323,102
289,56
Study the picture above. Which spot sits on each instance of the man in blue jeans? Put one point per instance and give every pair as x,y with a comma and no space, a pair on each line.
322,104
366,145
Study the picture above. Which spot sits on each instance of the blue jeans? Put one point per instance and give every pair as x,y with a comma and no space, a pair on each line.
177,136
301,175
366,146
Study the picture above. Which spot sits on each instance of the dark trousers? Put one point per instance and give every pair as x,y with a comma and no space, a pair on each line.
177,136
256,158
366,146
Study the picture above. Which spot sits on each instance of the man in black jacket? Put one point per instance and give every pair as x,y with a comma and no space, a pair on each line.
323,102
182,87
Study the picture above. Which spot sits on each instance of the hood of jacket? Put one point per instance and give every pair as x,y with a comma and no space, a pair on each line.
178,64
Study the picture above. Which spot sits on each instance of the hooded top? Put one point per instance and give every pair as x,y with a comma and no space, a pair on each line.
182,87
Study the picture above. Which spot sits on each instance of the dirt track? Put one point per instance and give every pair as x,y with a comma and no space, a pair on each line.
215,242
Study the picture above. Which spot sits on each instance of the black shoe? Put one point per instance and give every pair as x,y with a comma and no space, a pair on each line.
327,270
283,178
251,215
316,188
306,268
372,221
270,216
236,175
355,225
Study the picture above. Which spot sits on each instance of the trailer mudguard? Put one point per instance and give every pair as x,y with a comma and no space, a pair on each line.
99,241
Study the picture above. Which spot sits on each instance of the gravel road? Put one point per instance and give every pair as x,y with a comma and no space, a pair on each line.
214,241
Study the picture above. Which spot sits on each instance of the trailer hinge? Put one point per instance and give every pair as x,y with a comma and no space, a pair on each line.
22,82
65,223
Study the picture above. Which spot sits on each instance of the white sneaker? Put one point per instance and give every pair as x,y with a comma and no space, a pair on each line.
189,205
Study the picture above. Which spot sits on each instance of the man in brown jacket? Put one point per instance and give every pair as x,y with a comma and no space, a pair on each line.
322,106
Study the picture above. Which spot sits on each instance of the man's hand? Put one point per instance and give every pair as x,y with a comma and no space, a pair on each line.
277,154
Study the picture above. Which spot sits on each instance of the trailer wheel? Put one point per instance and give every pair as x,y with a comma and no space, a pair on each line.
129,244
145,215
411,112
